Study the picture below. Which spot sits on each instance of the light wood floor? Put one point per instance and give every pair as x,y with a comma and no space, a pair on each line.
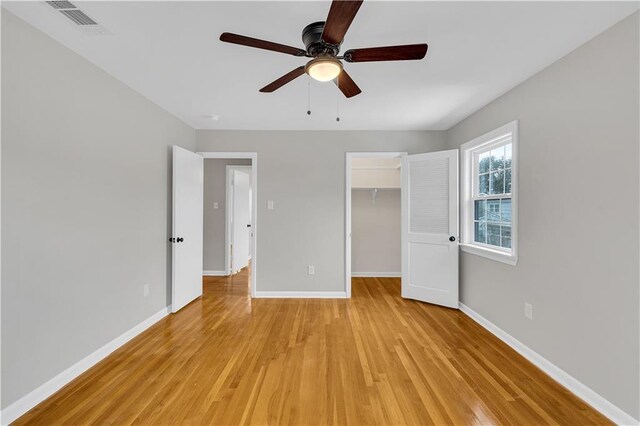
374,359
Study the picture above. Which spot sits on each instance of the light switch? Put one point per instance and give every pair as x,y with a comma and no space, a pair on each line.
528,310
269,204
215,205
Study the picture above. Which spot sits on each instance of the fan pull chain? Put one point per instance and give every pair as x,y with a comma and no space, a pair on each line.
338,98
308,95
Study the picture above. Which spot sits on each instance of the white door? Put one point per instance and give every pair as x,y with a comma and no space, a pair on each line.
187,229
241,220
430,227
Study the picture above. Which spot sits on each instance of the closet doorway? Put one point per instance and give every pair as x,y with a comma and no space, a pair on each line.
373,243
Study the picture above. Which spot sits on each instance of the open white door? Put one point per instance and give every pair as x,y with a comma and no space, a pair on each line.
241,220
187,229
430,227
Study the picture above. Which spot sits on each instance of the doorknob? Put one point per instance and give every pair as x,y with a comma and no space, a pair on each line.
180,239
172,240
452,238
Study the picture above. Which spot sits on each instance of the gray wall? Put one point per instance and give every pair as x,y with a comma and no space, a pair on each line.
304,174
578,259
215,190
375,231
85,197
85,207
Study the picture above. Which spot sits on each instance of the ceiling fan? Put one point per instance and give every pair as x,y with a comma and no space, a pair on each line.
323,41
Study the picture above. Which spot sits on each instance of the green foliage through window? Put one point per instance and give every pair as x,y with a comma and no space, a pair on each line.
492,216
494,171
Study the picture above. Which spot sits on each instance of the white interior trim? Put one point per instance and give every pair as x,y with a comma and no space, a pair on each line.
35,397
582,391
466,175
253,156
496,255
229,155
227,229
376,274
347,208
214,273
301,294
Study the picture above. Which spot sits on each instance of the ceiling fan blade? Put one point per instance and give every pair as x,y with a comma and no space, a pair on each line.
340,16
389,53
346,85
261,44
288,77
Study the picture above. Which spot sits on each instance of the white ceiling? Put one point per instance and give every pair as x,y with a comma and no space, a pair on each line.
170,53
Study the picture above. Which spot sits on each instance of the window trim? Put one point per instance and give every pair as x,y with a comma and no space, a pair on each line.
467,151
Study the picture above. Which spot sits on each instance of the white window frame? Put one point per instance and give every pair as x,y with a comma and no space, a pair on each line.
468,151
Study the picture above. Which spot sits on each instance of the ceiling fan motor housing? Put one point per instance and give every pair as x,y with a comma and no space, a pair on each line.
312,39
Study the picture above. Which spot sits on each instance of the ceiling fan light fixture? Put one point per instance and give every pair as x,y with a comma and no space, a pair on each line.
324,68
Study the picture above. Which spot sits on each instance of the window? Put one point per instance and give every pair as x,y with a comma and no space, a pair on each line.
489,169
492,194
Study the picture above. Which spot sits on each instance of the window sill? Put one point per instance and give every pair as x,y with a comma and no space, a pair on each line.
490,254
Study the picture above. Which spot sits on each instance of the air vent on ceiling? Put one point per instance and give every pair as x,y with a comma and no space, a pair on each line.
83,22
79,17
61,5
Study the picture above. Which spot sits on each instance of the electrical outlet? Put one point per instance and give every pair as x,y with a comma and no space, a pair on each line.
146,290
528,310
311,270
269,204
215,205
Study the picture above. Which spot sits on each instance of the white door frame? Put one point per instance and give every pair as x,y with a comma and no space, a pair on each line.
228,237
253,156
347,204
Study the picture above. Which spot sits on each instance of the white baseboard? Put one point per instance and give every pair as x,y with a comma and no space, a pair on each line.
301,294
43,392
376,274
588,395
214,273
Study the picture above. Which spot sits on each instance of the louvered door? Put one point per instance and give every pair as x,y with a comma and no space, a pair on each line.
430,228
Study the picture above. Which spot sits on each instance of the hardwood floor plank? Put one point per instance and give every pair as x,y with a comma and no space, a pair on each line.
375,359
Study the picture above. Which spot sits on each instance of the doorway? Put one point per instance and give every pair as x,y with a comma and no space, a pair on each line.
373,221
231,240
429,220
239,233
